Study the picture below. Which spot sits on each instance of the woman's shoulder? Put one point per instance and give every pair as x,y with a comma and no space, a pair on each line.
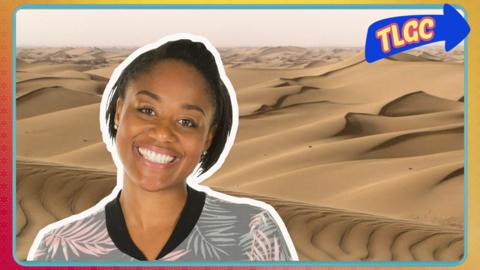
248,214
89,218
70,237
244,228
238,205
217,203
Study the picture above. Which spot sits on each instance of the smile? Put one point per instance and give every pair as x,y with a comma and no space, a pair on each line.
155,157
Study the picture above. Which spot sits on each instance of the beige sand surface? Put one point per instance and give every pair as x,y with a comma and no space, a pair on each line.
362,161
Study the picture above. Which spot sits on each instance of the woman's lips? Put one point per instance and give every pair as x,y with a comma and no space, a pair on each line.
156,157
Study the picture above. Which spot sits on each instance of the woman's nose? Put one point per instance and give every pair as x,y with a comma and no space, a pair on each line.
163,132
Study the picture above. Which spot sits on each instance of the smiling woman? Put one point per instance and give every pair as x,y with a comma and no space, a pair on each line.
165,122
166,111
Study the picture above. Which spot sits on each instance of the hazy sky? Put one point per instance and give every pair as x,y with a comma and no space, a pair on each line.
310,28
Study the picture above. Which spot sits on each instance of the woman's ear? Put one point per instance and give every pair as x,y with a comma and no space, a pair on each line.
118,111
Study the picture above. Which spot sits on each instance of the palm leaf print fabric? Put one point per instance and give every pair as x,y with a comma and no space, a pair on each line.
225,231
262,242
82,238
214,234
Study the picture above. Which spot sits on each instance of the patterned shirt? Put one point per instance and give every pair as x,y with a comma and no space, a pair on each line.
208,229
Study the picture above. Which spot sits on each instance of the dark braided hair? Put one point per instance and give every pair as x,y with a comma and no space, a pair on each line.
198,56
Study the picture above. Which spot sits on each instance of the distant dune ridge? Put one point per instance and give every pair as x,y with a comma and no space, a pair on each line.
362,161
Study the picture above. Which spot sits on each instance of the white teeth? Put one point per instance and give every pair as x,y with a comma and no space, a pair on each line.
155,157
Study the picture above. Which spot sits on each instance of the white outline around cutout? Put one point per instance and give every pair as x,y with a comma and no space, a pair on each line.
193,179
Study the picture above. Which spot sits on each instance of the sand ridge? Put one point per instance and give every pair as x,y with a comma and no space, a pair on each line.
323,233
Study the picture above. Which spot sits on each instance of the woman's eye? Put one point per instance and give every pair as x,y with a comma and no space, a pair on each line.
147,110
187,123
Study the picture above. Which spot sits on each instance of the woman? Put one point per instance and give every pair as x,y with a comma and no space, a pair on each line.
167,116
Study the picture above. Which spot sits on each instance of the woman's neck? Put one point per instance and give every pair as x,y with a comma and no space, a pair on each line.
145,209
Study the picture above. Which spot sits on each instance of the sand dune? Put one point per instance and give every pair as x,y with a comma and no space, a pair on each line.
318,182
66,74
430,54
58,98
419,103
319,233
91,156
419,143
81,85
364,82
283,57
322,233
45,67
362,161
104,73
363,124
75,55
49,192
414,58
58,132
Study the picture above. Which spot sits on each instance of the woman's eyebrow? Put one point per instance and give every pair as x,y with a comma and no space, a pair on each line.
149,94
158,98
193,107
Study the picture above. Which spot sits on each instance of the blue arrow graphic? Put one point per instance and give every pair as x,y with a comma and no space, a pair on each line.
397,34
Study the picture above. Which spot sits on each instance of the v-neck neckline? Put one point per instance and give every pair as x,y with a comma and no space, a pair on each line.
118,232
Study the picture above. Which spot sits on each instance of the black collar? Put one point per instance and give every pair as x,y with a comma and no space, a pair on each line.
117,228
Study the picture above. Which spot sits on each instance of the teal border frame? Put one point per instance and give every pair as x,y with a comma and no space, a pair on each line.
241,7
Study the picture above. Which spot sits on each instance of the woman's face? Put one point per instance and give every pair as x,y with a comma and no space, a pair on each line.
164,124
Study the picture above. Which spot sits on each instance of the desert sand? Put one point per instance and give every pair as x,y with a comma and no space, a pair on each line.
362,161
